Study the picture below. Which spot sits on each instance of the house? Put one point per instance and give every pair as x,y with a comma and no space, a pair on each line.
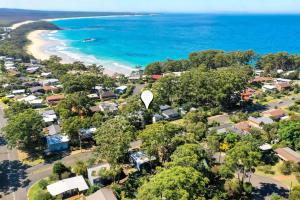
261,79
288,154
107,95
68,187
52,81
93,176
46,74
16,92
53,129
32,70
109,107
282,86
50,88
164,107
93,96
87,133
243,127
55,99
170,114
156,77
269,88
258,72
260,121
140,160
37,103
265,147
49,116
103,194
283,80
28,98
56,143
156,118
121,89
36,89
275,114
247,94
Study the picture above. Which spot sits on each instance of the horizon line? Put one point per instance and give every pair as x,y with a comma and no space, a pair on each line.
162,12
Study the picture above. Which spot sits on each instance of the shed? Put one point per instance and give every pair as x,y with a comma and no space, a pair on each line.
57,143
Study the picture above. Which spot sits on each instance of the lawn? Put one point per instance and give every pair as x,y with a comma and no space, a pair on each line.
285,180
34,189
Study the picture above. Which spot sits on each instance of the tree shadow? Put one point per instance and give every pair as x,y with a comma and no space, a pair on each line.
12,176
267,189
2,141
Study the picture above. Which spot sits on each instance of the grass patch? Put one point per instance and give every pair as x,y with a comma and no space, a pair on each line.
283,179
31,161
35,189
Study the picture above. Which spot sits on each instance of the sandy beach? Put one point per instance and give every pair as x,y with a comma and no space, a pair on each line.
42,49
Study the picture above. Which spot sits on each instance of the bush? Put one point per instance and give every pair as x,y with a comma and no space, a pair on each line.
247,187
65,175
275,196
92,190
267,169
232,187
43,184
53,177
286,168
238,117
42,195
297,175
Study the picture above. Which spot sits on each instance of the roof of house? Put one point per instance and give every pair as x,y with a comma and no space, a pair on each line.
103,194
123,87
244,126
164,107
261,120
265,147
57,139
170,113
274,113
262,79
53,129
68,184
50,88
156,76
108,94
288,154
55,97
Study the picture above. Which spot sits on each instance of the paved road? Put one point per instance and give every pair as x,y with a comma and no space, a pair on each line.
16,178
265,187
284,102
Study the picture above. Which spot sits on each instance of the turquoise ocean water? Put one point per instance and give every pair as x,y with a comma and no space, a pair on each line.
140,40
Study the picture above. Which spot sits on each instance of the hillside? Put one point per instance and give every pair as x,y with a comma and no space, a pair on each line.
10,16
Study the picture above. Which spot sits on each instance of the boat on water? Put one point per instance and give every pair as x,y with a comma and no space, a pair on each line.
89,40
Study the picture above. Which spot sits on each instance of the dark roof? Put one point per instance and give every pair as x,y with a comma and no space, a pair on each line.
170,113
108,94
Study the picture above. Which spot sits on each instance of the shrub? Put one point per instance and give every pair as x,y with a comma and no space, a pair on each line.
92,190
53,177
42,195
297,175
232,187
247,187
286,168
275,196
65,175
267,169
43,184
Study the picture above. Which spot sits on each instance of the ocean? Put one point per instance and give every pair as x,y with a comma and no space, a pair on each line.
130,41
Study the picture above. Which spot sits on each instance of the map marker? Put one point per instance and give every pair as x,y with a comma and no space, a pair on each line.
147,97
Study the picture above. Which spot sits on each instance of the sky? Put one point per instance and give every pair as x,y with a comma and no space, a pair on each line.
247,6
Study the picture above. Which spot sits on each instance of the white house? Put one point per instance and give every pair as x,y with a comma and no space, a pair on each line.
68,186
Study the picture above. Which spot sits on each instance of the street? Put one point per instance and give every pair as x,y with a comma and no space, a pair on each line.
15,177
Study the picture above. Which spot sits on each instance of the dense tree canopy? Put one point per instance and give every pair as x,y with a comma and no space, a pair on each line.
289,132
158,139
24,130
113,139
177,183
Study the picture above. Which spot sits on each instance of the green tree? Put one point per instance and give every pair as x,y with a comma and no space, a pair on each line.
289,131
190,155
80,168
174,183
59,168
295,193
24,131
243,158
158,139
113,139
42,195
16,108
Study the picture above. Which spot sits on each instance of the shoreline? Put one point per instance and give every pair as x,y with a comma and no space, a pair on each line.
41,48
